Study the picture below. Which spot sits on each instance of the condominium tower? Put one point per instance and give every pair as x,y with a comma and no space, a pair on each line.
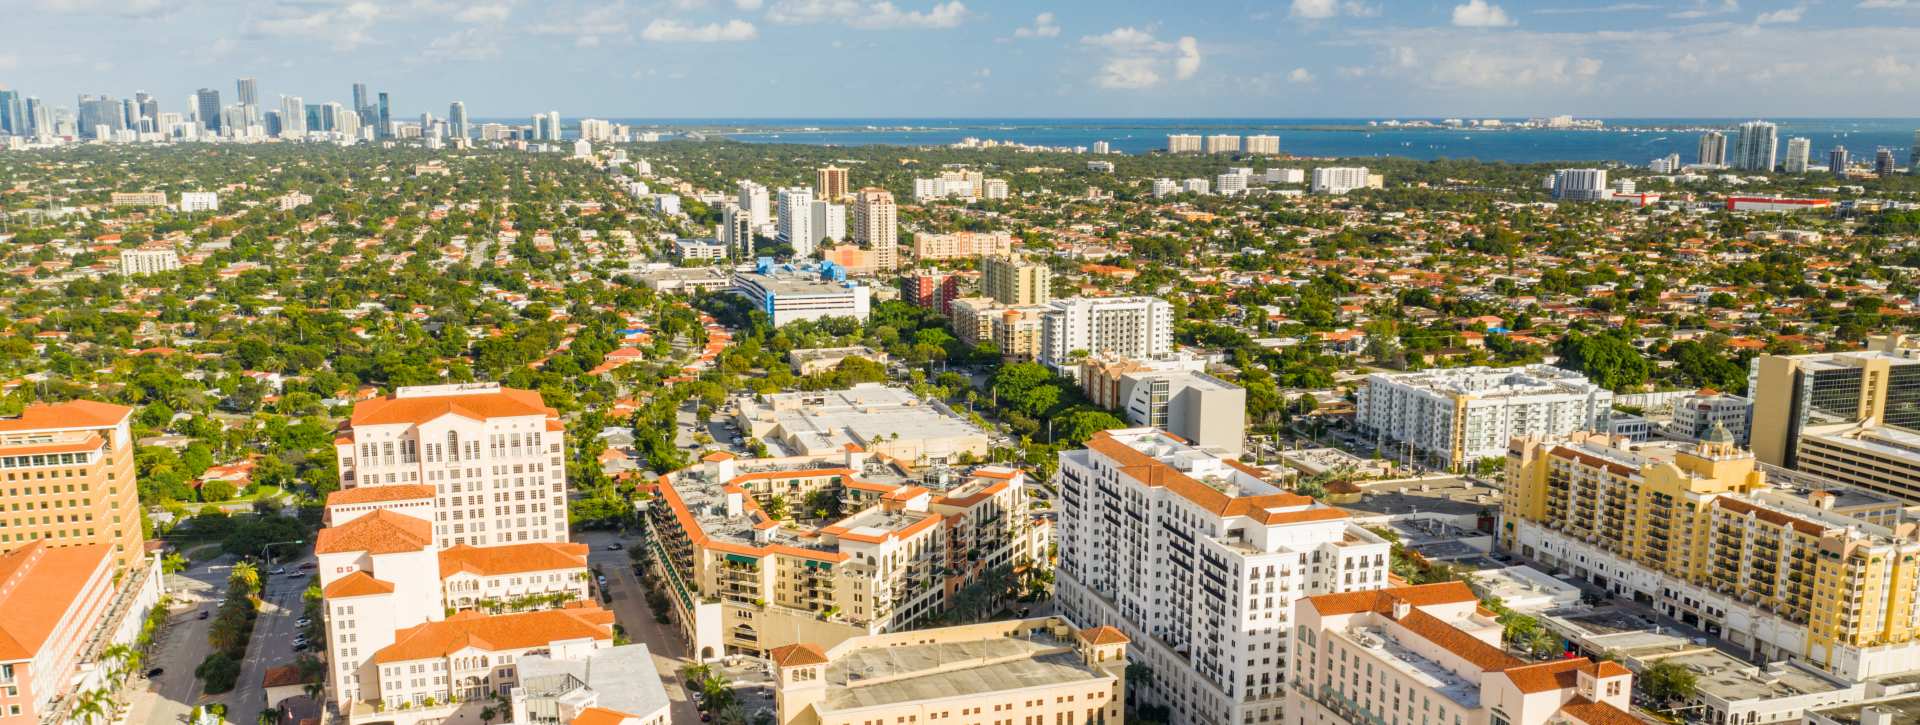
70,479
830,183
1456,417
1129,326
1198,559
1713,149
1755,146
876,225
796,221
1016,281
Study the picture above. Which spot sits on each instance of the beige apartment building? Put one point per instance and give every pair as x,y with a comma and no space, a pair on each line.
876,226
744,581
1695,531
830,183
1015,281
962,245
1016,331
69,479
1040,671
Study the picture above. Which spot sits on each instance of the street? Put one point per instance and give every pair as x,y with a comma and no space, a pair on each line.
630,610
272,643
178,648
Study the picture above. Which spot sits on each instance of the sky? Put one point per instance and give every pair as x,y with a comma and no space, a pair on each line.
991,58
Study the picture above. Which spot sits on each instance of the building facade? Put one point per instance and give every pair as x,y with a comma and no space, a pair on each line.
962,245
1128,326
876,226
1456,417
1198,560
1791,392
70,480
1016,281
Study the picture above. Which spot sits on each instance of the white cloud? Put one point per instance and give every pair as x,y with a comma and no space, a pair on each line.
1705,8
1615,8
1300,75
129,9
591,28
747,4
344,24
1043,27
468,44
1136,59
1324,9
1783,16
1888,4
880,15
484,13
1480,14
662,30
9,62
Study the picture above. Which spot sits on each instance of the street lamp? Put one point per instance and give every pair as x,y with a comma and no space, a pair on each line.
265,548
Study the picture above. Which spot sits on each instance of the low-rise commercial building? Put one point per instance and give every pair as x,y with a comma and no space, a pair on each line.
1027,671
590,686
822,359
884,420
1696,414
789,295
60,607
1172,393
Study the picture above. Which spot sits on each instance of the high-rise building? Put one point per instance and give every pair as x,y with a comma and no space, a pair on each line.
1265,145
293,117
12,113
1755,146
1799,152
1183,143
1792,392
1837,162
758,205
1457,417
1580,184
1883,162
384,119
1156,537
1713,149
130,114
1102,148
829,220
457,119
248,92
795,227
876,226
149,110
1696,532
553,126
830,183
1015,281
100,116
736,231
962,245
1913,156
1223,143
75,458
1340,179
1129,326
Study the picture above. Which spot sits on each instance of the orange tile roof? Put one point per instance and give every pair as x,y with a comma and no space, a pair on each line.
283,676
380,532
38,583
71,414
512,558
1103,634
480,406
599,716
1589,712
379,494
356,584
1548,676
1467,647
1380,600
1153,472
497,633
793,655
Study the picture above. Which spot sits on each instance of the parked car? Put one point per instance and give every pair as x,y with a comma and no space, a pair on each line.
302,622
278,570
205,613
156,672
616,546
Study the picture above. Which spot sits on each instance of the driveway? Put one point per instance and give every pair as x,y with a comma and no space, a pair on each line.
630,610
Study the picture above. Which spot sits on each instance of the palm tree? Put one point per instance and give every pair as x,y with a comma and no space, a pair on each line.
270,716
245,576
90,706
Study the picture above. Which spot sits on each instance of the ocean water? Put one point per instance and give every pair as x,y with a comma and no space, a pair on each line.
1626,140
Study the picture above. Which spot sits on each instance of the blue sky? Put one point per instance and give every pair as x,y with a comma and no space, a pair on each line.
992,58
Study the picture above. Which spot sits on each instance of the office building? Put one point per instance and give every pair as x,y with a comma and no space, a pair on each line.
61,607
757,203
1265,145
1160,540
1883,162
1713,149
1016,281
40,120
457,120
1580,185
13,114
899,546
1695,415
360,104
1223,143
1027,670
703,250
1127,326
1755,145
197,201
1792,392
1433,654
432,437
829,220
1799,152
1459,416
248,91
293,117
1183,143
1837,162
1340,180
961,245
876,226
1172,393
789,295
148,260
736,231
383,119
1695,531
830,183
70,480
795,225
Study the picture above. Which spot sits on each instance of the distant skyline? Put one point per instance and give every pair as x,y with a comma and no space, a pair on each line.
795,59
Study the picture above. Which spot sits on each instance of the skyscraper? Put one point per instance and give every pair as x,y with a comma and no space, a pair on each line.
130,114
1798,152
796,221
1837,162
207,105
360,107
1883,162
876,225
293,117
385,119
149,110
12,113
39,122
553,125
1713,149
457,119
249,91
830,183
753,198
1756,145
1913,156
98,114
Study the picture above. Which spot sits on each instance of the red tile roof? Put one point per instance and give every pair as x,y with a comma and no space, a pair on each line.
511,558
480,406
71,414
356,584
497,633
380,532
380,494
797,654
38,583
